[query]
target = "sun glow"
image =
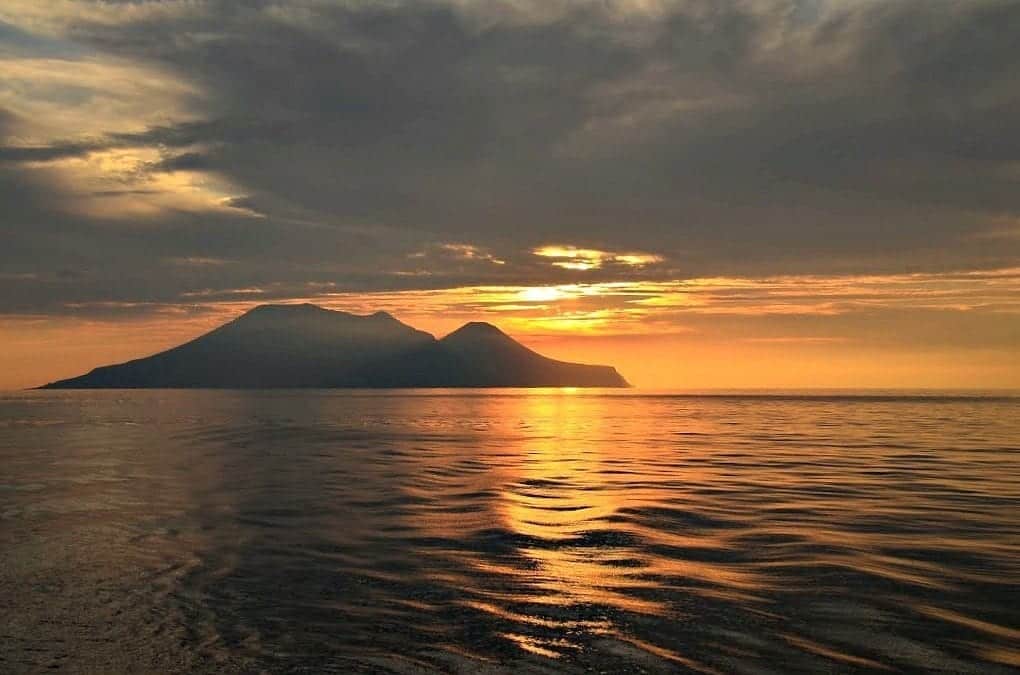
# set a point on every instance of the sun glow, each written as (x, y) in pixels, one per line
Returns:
(584, 259)
(541, 294)
(767, 331)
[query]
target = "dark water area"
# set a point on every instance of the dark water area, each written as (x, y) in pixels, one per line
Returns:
(507, 532)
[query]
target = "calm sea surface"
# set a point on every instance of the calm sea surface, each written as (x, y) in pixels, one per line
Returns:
(507, 531)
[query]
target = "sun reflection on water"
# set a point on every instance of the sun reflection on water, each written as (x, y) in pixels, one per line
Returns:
(521, 531)
(562, 495)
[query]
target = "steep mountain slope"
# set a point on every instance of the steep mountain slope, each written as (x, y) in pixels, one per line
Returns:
(269, 346)
(490, 358)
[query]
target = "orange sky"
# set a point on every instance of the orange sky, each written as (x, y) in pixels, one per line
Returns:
(906, 331)
(37, 354)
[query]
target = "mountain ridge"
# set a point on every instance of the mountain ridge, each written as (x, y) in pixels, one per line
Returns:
(308, 346)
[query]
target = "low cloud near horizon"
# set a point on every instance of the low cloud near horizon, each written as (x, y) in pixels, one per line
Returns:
(644, 165)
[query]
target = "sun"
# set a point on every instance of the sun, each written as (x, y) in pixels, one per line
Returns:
(542, 294)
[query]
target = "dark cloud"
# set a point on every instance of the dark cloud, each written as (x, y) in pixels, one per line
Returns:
(727, 137)
(44, 153)
(12, 152)
(187, 161)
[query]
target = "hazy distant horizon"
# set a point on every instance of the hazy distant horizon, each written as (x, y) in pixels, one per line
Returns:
(44, 349)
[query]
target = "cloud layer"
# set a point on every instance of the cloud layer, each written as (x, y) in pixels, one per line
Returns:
(166, 154)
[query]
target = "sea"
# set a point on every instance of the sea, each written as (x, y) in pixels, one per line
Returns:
(509, 531)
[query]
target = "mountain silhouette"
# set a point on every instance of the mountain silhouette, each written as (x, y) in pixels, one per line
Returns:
(276, 346)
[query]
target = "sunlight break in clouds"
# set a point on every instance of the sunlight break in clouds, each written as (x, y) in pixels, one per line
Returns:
(77, 120)
(582, 259)
(633, 307)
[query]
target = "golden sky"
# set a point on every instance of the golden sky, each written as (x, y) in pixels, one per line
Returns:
(907, 331)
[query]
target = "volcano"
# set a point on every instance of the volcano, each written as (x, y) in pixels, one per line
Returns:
(306, 346)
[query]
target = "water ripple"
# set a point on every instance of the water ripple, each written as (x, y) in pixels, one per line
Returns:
(508, 532)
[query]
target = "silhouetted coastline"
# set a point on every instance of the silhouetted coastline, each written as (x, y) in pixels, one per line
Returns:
(306, 346)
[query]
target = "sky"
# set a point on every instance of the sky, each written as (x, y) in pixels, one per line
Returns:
(703, 193)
